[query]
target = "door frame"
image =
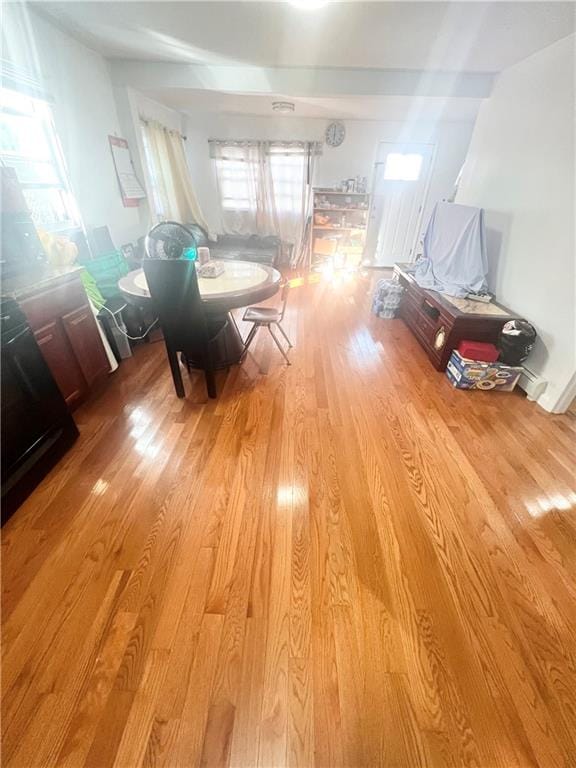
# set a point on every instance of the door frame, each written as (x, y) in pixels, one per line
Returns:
(425, 188)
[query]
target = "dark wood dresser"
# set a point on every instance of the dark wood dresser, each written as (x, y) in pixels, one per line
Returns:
(57, 309)
(439, 325)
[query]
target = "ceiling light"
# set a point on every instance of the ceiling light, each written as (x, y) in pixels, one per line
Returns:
(284, 107)
(308, 5)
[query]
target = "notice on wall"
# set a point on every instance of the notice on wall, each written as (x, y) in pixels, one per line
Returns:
(130, 188)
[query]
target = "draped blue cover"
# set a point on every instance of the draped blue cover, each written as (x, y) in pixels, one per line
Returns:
(454, 259)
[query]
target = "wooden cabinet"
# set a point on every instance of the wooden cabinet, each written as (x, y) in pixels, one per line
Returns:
(67, 334)
(439, 325)
(60, 357)
(80, 325)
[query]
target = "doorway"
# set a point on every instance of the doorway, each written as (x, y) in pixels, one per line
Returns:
(401, 179)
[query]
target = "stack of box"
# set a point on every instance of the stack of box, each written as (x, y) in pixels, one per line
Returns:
(476, 374)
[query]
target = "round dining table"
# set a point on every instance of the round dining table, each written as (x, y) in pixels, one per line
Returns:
(241, 283)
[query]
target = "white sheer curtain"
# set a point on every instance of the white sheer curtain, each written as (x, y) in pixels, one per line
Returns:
(244, 188)
(172, 189)
(265, 187)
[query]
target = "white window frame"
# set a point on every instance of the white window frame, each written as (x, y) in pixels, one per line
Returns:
(21, 105)
(403, 166)
(233, 174)
(236, 177)
(286, 170)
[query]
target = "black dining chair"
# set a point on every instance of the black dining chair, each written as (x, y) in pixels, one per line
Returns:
(173, 287)
(266, 317)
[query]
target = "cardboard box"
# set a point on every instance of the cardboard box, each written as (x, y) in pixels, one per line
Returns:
(325, 246)
(473, 374)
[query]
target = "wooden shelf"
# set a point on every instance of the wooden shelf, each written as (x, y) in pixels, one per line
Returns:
(347, 210)
(339, 229)
(348, 236)
(327, 192)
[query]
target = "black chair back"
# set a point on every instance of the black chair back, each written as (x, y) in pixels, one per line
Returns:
(173, 287)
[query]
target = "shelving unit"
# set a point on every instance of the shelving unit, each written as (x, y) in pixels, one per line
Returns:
(345, 216)
(336, 227)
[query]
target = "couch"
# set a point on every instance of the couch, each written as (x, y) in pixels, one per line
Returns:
(261, 249)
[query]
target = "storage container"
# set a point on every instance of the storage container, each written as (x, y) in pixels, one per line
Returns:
(475, 374)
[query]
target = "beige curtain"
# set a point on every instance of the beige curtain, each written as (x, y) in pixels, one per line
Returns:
(170, 177)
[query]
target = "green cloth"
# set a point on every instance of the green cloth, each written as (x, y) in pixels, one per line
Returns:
(92, 290)
(106, 271)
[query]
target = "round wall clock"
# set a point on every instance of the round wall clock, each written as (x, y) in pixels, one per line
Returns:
(335, 134)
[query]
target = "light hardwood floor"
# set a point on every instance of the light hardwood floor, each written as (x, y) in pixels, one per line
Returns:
(341, 563)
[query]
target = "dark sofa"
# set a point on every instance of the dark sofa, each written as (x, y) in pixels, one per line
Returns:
(263, 250)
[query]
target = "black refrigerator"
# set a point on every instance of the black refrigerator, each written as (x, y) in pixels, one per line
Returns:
(36, 426)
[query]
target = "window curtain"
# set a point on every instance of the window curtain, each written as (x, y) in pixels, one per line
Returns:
(244, 188)
(170, 177)
(265, 187)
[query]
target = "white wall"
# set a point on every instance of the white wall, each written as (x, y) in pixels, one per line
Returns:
(131, 106)
(78, 80)
(520, 168)
(356, 156)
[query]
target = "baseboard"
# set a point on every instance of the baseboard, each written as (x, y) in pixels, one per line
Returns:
(533, 384)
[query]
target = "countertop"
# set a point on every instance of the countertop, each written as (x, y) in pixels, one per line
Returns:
(19, 286)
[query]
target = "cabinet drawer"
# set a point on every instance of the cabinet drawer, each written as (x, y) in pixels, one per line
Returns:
(426, 321)
(408, 311)
(417, 319)
(426, 327)
(46, 305)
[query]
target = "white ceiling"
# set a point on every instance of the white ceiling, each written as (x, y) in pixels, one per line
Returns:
(390, 108)
(453, 36)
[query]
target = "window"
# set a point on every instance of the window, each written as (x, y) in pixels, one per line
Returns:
(234, 179)
(402, 167)
(29, 144)
(253, 172)
(287, 172)
(265, 187)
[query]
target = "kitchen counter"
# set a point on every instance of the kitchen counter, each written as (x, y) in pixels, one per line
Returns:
(21, 286)
(58, 311)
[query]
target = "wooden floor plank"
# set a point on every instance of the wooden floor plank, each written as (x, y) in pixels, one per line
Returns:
(343, 562)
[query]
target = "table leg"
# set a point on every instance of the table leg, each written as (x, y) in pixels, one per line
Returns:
(227, 347)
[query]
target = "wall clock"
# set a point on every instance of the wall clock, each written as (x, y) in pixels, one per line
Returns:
(335, 134)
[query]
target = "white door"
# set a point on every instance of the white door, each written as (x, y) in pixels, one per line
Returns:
(400, 183)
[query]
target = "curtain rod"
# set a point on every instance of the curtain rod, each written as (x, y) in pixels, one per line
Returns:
(314, 146)
(264, 141)
(148, 120)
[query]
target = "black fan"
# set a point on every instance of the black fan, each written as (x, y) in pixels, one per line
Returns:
(170, 240)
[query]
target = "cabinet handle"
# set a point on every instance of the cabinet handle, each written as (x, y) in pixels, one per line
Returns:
(45, 339)
(78, 319)
(430, 310)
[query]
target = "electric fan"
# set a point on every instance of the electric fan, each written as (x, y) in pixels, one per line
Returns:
(170, 240)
